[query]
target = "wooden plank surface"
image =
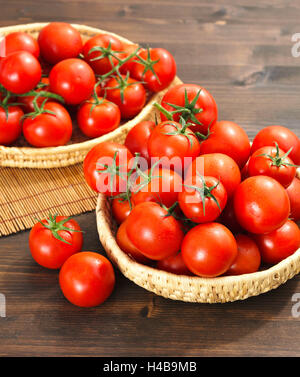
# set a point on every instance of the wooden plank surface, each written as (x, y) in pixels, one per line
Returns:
(240, 50)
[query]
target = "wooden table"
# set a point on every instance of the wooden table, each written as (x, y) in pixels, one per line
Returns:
(240, 50)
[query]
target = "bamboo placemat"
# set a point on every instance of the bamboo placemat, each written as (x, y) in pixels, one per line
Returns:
(30, 194)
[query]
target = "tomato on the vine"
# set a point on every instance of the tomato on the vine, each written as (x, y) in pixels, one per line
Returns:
(121, 208)
(19, 41)
(10, 121)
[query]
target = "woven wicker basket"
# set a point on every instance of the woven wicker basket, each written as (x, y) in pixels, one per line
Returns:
(26, 157)
(185, 288)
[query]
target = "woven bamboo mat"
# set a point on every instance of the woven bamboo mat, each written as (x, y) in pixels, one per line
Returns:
(30, 194)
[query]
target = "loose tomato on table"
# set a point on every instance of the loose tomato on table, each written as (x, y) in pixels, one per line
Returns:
(293, 191)
(53, 240)
(174, 264)
(19, 41)
(87, 279)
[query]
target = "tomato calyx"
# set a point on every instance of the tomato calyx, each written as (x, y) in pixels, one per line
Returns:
(146, 178)
(38, 110)
(278, 160)
(4, 104)
(148, 64)
(55, 226)
(106, 52)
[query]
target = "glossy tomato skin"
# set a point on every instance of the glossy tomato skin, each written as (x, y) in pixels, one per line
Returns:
(165, 69)
(206, 102)
(73, 79)
(279, 244)
(49, 130)
(19, 41)
(261, 164)
(121, 209)
(95, 121)
(174, 264)
(228, 138)
(103, 65)
(20, 72)
(134, 97)
(59, 41)
(127, 51)
(294, 195)
(137, 139)
(154, 234)
(220, 166)
(104, 153)
(191, 202)
(248, 259)
(50, 252)
(209, 249)
(261, 204)
(87, 279)
(284, 137)
(10, 127)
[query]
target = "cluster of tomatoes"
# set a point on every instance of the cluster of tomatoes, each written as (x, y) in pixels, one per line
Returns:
(191, 194)
(102, 81)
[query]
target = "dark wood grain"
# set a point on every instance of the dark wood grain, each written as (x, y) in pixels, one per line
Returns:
(241, 52)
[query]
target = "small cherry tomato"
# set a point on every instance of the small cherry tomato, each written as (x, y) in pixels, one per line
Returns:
(121, 208)
(27, 101)
(10, 124)
(294, 195)
(174, 264)
(19, 41)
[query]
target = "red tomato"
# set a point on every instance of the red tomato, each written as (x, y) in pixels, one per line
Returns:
(48, 129)
(273, 162)
(10, 124)
(156, 67)
(248, 258)
(20, 72)
(87, 279)
(121, 209)
(98, 117)
(198, 106)
(59, 41)
(127, 246)
(202, 199)
(261, 204)
(228, 218)
(27, 101)
(106, 167)
(99, 52)
(174, 264)
(137, 139)
(280, 243)
(228, 138)
(133, 99)
(294, 195)
(127, 51)
(73, 79)
(54, 240)
(209, 249)
(175, 143)
(152, 232)
(157, 185)
(220, 166)
(19, 41)
(284, 137)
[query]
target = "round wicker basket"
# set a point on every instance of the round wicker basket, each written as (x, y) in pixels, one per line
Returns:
(21, 156)
(185, 288)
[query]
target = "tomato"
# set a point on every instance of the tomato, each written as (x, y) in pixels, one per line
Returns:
(228, 218)
(10, 124)
(121, 208)
(280, 243)
(273, 162)
(73, 79)
(174, 264)
(50, 127)
(157, 185)
(53, 240)
(156, 67)
(220, 166)
(27, 101)
(228, 138)
(20, 72)
(284, 137)
(99, 52)
(155, 234)
(127, 93)
(127, 246)
(128, 50)
(59, 41)
(98, 117)
(174, 143)
(209, 249)
(87, 279)
(294, 195)
(202, 199)
(137, 139)
(261, 204)
(106, 167)
(248, 259)
(197, 104)
(19, 41)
